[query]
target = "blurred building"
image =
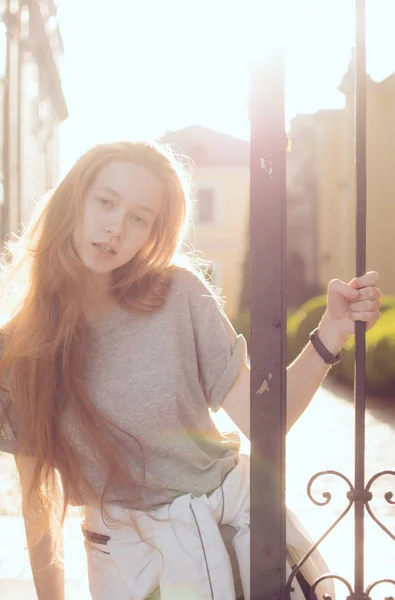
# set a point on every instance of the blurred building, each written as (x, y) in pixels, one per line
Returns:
(32, 106)
(221, 176)
(321, 196)
(321, 180)
(302, 214)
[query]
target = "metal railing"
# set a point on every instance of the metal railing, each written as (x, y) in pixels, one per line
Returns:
(268, 342)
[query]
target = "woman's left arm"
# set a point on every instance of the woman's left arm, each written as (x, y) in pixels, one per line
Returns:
(357, 301)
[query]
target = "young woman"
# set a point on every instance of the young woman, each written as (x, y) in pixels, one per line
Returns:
(112, 354)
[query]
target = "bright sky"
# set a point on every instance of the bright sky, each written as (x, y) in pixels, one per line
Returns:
(140, 68)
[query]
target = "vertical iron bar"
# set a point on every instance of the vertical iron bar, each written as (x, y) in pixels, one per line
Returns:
(268, 329)
(360, 328)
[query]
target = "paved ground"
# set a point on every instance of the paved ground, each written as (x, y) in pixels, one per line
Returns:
(322, 439)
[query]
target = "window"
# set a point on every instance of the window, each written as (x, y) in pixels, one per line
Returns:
(206, 205)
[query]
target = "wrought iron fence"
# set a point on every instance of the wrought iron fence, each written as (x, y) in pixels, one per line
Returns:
(268, 342)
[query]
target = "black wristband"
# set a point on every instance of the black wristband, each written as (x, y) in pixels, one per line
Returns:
(327, 357)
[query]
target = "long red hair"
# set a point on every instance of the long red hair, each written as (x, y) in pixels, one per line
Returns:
(43, 339)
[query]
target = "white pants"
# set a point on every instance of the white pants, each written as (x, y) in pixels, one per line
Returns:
(180, 551)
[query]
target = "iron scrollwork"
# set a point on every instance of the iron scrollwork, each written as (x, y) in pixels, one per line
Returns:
(388, 497)
(352, 495)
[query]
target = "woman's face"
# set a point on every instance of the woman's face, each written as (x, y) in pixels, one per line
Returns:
(118, 214)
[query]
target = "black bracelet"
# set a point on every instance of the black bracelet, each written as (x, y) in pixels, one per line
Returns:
(327, 357)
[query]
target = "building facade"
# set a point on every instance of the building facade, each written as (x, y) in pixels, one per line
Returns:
(321, 197)
(331, 243)
(32, 106)
(221, 178)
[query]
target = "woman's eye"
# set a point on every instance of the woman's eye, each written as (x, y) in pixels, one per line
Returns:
(139, 220)
(104, 201)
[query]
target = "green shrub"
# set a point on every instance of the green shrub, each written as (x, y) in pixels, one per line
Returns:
(387, 303)
(299, 325)
(380, 357)
(380, 343)
(302, 323)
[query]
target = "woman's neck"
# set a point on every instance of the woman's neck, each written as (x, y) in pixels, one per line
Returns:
(97, 300)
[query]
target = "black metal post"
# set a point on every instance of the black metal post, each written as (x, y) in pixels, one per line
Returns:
(268, 328)
(360, 328)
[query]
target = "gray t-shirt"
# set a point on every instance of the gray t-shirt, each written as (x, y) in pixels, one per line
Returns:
(156, 374)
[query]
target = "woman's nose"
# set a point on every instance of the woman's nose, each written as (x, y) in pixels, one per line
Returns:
(115, 226)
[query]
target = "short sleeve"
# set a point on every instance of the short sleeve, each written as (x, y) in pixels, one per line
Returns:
(220, 351)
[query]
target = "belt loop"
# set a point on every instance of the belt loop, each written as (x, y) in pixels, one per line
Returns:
(96, 538)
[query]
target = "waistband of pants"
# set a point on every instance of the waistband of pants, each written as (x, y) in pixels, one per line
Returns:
(100, 538)
(96, 538)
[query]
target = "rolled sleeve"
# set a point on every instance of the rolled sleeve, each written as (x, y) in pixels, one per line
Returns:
(229, 375)
(220, 351)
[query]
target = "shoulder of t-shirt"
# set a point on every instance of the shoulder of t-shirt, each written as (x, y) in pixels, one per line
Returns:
(189, 283)
(190, 289)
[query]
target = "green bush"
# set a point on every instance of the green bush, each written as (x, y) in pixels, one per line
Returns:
(380, 357)
(302, 323)
(387, 303)
(380, 343)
